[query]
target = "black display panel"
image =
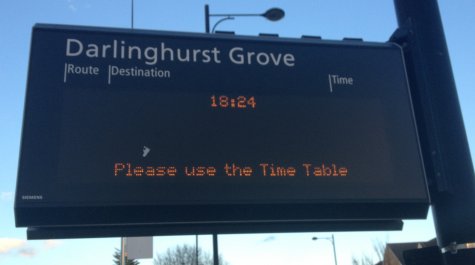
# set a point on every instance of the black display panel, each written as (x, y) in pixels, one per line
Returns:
(132, 127)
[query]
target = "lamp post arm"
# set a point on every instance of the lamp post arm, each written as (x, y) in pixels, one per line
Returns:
(273, 14)
(332, 240)
(235, 15)
(221, 20)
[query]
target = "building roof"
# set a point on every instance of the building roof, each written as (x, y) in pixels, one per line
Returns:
(398, 248)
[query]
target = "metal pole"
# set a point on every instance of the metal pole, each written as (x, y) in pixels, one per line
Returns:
(196, 249)
(122, 251)
(444, 142)
(207, 18)
(132, 15)
(334, 249)
(215, 250)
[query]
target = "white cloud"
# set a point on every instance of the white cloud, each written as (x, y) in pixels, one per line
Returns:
(8, 245)
(16, 247)
(269, 239)
(72, 5)
(28, 252)
(50, 244)
(6, 196)
(20, 247)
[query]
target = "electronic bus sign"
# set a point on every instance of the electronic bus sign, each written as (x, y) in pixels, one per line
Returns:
(149, 127)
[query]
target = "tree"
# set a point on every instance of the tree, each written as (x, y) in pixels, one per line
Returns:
(127, 261)
(379, 247)
(362, 260)
(185, 255)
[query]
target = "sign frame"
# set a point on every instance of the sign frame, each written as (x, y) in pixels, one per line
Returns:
(33, 212)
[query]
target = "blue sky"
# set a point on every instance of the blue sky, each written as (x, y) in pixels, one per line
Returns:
(372, 20)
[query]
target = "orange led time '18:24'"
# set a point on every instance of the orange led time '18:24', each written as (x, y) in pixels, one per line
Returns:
(239, 102)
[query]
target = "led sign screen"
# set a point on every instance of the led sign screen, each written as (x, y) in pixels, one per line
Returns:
(131, 127)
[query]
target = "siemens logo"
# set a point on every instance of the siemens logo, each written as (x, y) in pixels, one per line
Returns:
(32, 197)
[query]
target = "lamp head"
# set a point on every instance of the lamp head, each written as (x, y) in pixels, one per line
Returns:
(274, 14)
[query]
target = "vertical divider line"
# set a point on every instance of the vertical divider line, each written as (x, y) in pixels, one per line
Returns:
(109, 75)
(65, 72)
(330, 83)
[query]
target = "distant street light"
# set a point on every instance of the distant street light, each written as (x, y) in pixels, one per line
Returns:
(332, 240)
(273, 14)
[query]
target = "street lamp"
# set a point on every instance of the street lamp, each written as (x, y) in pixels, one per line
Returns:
(273, 14)
(332, 240)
